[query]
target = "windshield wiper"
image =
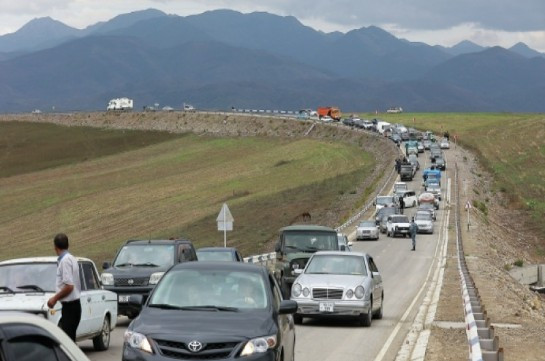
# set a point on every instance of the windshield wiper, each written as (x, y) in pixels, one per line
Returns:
(165, 306)
(147, 264)
(123, 265)
(209, 308)
(32, 287)
(7, 289)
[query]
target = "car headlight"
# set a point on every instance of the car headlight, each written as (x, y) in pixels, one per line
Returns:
(360, 292)
(155, 277)
(137, 341)
(259, 345)
(296, 290)
(306, 292)
(349, 294)
(107, 279)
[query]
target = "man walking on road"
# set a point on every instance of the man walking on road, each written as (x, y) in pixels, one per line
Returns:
(401, 205)
(413, 229)
(68, 287)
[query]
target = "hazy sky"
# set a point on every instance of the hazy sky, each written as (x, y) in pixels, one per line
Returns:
(445, 22)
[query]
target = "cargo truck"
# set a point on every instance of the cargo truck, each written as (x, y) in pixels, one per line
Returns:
(332, 112)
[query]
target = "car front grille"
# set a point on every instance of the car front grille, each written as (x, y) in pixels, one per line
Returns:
(327, 293)
(209, 351)
(131, 281)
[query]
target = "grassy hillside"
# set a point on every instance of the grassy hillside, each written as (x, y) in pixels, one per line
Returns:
(510, 146)
(175, 188)
(28, 147)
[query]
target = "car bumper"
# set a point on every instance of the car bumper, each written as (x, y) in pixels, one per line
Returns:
(131, 354)
(367, 235)
(311, 308)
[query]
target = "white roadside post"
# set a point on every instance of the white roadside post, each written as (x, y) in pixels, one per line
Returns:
(468, 208)
(225, 222)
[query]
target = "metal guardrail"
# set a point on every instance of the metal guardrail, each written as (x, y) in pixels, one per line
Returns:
(483, 343)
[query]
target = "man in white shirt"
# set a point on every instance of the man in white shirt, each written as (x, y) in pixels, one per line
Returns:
(68, 287)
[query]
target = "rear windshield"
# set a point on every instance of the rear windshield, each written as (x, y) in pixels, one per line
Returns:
(145, 255)
(400, 219)
(385, 200)
(214, 256)
(309, 241)
(367, 224)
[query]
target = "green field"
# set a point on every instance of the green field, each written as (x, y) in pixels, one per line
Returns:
(510, 146)
(172, 188)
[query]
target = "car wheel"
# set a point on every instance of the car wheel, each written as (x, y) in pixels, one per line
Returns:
(365, 319)
(102, 341)
(380, 312)
(298, 319)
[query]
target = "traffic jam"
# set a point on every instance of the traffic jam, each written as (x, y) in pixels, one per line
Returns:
(208, 303)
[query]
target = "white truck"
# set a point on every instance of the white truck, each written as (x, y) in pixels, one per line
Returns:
(120, 104)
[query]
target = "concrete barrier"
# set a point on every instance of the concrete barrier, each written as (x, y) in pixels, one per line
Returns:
(530, 275)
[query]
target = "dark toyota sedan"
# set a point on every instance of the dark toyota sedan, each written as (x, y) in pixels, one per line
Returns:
(213, 311)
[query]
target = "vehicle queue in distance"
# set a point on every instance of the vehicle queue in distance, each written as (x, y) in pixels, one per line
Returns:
(208, 303)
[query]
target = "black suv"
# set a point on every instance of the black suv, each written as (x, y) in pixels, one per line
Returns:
(138, 267)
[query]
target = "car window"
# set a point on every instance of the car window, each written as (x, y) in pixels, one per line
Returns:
(184, 252)
(372, 265)
(214, 256)
(24, 274)
(145, 254)
(309, 241)
(32, 348)
(336, 264)
(89, 276)
(277, 295)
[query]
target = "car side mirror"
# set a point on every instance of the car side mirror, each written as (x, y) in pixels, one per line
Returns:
(136, 300)
(278, 247)
(375, 274)
(343, 248)
(106, 265)
(374, 203)
(287, 307)
(350, 244)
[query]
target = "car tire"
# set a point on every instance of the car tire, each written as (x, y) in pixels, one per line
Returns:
(101, 342)
(298, 319)
(378, 315)
(365, 319)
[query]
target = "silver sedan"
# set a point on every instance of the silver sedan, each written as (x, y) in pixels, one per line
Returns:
(367, 230)
(339, 284)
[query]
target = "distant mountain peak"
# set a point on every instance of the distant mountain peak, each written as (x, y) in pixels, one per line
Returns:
(524, 50)
(43, 24)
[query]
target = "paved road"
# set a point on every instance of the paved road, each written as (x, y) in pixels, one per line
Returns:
(404, 273)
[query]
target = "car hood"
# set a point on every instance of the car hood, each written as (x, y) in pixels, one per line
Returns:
(31, 302)
(401, 224)
(291, 256)
(321, 280)
(190, 325)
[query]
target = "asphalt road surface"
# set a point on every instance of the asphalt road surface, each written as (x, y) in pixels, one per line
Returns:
(404, 274)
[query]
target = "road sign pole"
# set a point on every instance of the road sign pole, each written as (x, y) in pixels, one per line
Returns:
(224, 232)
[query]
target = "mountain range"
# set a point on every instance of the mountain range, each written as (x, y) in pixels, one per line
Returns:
(222, 59)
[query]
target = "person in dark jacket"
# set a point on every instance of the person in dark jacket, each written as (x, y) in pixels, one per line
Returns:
(413, 229)
(401, 204)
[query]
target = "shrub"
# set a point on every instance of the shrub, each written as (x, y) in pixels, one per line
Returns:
(519, 263)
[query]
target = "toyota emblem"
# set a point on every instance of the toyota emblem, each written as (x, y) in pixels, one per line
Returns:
(131, 281)
(194, 346)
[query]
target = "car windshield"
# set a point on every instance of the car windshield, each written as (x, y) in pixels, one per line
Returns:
(367, 224)
(336, 264)
(434, 187)
(309, 241)
(159, 255)
(385, 200)
(426, 206)
(423, 216)
(210, 289)
(400, 219)
(41, 275)
(214, 256)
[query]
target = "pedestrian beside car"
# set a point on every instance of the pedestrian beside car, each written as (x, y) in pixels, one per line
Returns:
(413, 230)
(398, 165)
(401, 205)
(67, 286)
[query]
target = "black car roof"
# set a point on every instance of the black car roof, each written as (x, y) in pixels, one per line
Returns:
(220, 266)
(157, 241)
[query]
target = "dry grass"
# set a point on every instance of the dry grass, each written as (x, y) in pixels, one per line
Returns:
(176, 187)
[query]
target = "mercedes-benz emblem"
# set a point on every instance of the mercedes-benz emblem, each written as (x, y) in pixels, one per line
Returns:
(194, 346)
(131, 281)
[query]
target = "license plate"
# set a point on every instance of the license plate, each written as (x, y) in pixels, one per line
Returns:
(123, 298)
(327, 307)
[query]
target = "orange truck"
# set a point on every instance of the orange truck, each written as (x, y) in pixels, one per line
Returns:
(332, 112)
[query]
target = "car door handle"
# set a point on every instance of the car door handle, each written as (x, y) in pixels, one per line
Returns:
(88, 299)
(103, 297)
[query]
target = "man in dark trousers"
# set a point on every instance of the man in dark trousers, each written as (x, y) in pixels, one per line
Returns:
(401, 204)
(68, 287)
(413, 229)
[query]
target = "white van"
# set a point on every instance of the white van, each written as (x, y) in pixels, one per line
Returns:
(381, 126)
